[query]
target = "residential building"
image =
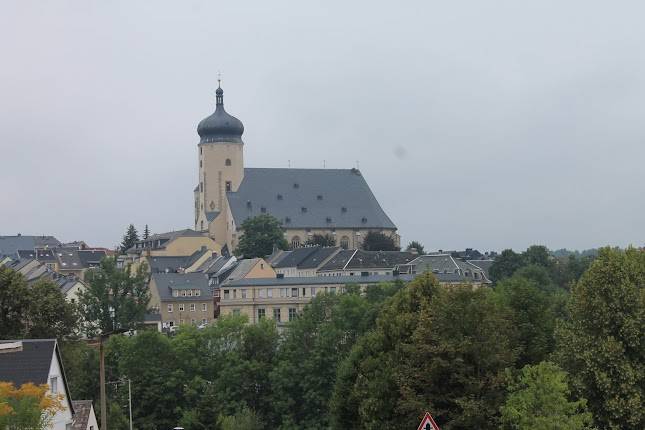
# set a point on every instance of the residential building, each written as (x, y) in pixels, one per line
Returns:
(38, 361)
(358, 262)
(305, 261)
(446, 264)
(181, 298)
(174, 243)
(84, 417)
(284, 298)
(338, 202)
(9, 245)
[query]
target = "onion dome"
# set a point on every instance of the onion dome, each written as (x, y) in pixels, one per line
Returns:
(220, 126)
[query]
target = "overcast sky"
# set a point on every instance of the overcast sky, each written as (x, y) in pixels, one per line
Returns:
(486, 124)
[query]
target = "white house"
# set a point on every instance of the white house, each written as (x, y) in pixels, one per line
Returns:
(37, 361)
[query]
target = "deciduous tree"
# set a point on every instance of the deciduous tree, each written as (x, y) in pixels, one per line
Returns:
(321, 240)
(28, 407)
(115, 299)
(377, 241)
(602, 345)
(540, 399)
(261, 235)
(416, 246)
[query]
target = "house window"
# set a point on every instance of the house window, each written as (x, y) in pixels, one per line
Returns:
(229, 186)
(192, 321)
(204, 307)
(243, 293)
(190, 293)
(261, 314)
(293, 313)
(228, 162)
(198, 293)
(181, 307)
(170, 307)
(181, 322)
(236, 311)
(235, 294)
(276, 314)
(263, 209)
(262, 292)
(283, 292)
(295, 242)
(270, 292)
(344, 242)
(183, 293)
(175, 293)
(313, 292)
(294, 292)
(201, 186)
(332, 290)
(53, 385)
(192, 307)
(226, 294)
(304, 292)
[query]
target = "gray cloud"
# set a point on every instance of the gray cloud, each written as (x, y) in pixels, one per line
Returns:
(485, 124)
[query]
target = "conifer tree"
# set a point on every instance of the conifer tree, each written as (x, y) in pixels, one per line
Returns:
(146, 232)
(129, 239)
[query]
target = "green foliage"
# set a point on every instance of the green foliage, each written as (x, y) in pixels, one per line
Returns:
(377, 241)
(534, 307)
(246, 419)
(321, 240)
(261, 235)
(130, 238)
(313, 346)
(539, 399)
(37, 311)
(115, 299)
(602, 344)
(561, 270)
(81, 369)
(416, 246)
(433, 349)
(505, 265)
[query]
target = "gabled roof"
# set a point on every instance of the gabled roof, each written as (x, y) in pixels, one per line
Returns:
(167, 282)
(31, 363)
(295, 257)
(308, 198)
(82, 412)
(242, 268)
(338, 261)
(314, 260)
(379, 259)
(9, 245)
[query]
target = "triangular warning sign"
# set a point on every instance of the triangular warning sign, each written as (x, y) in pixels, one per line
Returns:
(427, 423)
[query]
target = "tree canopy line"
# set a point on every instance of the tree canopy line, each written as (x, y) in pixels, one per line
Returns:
(557, 343)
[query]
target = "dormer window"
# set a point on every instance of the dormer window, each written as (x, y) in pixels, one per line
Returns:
(343, 209)
(364, 220)
(296, 185)
(263, 210)
(279, 196)
(328, 219)
(287, 220)
(319, 197)
(303, 210)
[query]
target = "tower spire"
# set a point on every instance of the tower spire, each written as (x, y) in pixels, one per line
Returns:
(219, 93)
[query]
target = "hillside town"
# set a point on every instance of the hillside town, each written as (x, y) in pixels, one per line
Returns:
(270, 248)
(389, 216)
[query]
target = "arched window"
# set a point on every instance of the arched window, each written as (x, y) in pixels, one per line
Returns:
(344, 242)
(295, 242)
(228, 162)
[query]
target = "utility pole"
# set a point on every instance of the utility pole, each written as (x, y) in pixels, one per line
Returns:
(130, 401)
(102, 382)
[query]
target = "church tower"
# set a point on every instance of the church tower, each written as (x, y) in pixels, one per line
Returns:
(221, 162)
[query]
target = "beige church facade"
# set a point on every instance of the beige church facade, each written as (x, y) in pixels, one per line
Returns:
(335, 202)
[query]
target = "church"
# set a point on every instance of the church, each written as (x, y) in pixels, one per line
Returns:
(336, 202)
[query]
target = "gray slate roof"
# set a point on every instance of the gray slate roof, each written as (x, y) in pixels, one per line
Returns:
(9, 245)
(316, 280)
(379, 259)
(308, 198)
(295, 257)
(82, 410)
(338, 261)
(167, 282)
